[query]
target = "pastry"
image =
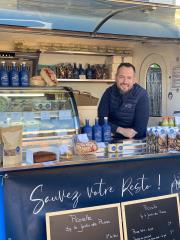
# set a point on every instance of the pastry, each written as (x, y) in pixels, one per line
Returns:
(86, 147)
(49, 76)
(37, 81)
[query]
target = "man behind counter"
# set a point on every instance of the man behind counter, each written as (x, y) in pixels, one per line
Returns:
(125, 104)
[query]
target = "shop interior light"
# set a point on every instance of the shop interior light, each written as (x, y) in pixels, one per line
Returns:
(177, 17)
(178, 2)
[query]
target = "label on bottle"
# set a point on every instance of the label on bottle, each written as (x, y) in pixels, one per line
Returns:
(24, 80)
(82, 76)
(106, 134)
(14, 79)
(4, 80)
(88, 131)
(97, 134)
(89, 73)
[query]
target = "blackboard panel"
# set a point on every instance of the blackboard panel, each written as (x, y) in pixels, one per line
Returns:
(154, 218)
(96, 223)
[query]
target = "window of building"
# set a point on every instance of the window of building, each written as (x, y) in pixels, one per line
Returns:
(154, 89)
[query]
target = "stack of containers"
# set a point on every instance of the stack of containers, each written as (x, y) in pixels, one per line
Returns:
(162, 139)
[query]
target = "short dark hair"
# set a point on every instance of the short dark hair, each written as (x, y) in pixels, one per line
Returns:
(126, 64)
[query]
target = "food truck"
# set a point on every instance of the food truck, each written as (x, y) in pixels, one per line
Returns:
(94, 37)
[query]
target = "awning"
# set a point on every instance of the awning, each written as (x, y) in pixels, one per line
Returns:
(95, 17)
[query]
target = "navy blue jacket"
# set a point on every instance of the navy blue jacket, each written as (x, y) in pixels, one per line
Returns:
(128, 110)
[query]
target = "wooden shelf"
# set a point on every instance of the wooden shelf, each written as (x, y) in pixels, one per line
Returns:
(87, 80)
(106, 54)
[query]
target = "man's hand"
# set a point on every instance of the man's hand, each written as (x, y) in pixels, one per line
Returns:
(126, 132)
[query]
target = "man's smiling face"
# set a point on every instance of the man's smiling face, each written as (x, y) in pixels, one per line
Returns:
(125, 78)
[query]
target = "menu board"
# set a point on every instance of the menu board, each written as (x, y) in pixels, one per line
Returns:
(96, 223)
(154, 218)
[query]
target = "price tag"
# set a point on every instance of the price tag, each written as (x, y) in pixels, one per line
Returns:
(45, 115)
(28, 116)
(16, 116)
(3, 117)
(65, 114)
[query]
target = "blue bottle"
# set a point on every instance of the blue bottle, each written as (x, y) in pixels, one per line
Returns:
(97, 131)
(87, 129)
(89, 73)
(81, 70)
(106, 131)
(14, 76)
(4, 77)
(24, 76)
(75, 72)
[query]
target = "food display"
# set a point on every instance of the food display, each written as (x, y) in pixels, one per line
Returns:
(48, 116)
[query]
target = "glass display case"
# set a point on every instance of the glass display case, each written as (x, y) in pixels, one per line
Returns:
(48, 115)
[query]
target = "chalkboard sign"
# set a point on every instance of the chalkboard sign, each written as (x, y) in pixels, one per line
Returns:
(154, 218)
(96, 223)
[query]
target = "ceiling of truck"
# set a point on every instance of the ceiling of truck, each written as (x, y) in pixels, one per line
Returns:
(156, 19)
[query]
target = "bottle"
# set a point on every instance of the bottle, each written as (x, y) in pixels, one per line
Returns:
(4, 77)
(89, 73)
(171, 121)
(105, 72)
(24, 76)
(93, 72)
(87, 129)
(69, 69)
(81, 70)
(97, 131)
(14, 76)
(164, 121)
(75, 72)
(106, 131)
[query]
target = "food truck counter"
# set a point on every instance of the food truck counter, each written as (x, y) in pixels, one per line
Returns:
(29, 192)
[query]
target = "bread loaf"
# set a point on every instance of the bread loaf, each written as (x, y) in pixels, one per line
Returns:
(43, 156)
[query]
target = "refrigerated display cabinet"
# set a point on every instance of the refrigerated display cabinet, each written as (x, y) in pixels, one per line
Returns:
(47, 114)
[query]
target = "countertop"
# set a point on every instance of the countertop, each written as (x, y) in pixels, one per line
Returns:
(88, 159)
